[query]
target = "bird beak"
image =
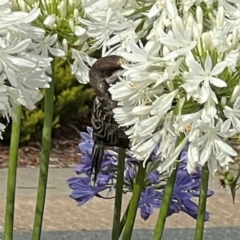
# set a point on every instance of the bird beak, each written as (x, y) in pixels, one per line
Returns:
(123, 61)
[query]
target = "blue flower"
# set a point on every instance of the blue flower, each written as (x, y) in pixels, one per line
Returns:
(130, 174)
(148, 200)
(186, 187)
(82, 190)
(103, 179)
(154, 177)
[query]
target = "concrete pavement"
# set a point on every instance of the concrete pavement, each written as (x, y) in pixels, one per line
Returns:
(62, 214)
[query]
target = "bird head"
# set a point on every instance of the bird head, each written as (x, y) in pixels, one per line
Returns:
(107, 66)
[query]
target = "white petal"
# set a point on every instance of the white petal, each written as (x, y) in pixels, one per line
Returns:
(226, 125)
(208, 64)
(205, 154)
(56, 52)
(218, 68)
(217, 82)
(174, 156)
(225, 147)
(141, 110)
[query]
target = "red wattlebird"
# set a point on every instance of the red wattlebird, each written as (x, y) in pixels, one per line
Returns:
(106, 132)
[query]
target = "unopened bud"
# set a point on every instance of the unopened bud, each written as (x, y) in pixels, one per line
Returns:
(207, 40)
(235, 94)
(170, 33)
(199, 14)
(179, 23)
(50, 21)
(166, 51)
(75, 14)
(71, 24)
(65, 45)
(220, 17)
(229, 177)
(170, 86)
(223, 101)
(57, 20)
(63, 8)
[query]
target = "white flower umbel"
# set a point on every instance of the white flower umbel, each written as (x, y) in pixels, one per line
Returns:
(22, 69)
(65, 34)
(183, 79)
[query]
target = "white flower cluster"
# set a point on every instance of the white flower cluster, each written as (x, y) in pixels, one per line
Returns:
(183, 77)
(62, 21)
(22, 67)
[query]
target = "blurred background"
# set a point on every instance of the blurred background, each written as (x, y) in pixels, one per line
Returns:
(72, 111)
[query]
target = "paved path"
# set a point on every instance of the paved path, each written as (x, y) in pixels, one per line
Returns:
(62, 214)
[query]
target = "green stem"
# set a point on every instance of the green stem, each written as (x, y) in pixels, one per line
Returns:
(12, 174)
(137, 189)
(163, 213)
(124, 219)
(44, 159)
(118, 197)
(202, 204)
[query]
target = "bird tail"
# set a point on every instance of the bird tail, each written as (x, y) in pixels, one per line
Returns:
(97, 158)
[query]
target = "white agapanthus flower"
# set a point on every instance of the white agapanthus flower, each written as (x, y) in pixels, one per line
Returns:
(22, 69)
(183, 79)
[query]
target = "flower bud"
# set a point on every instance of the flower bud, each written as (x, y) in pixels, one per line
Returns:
(166, 51)
(71, 24)
(199, 14)
(229, 177)
(190, 21)
(50, 21)
(220, 17)
(170, 86)
(63, 8)
(235, 94)
(75, 14)
(170, 33)
(65, 45)
(223, 101)
(179, 24)
(207, 40)
(57, 20)
(171, 8)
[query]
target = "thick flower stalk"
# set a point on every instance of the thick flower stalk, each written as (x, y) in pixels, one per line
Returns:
(185, 188)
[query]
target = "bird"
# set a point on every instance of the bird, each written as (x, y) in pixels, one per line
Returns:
(106, 131)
